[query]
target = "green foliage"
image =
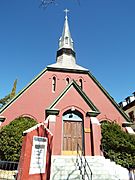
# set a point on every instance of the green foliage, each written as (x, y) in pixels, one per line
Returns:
(11, 138)
(4, 100)
(118, 145)
(7, 98)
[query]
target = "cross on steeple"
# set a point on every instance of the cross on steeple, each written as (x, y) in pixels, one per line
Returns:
(66, 57)
(66, 11)
(66, 40)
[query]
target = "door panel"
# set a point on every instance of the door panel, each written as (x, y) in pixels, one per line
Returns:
(72, 134)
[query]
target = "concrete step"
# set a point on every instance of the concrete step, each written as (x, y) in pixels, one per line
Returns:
(69, 168)
(63, 175)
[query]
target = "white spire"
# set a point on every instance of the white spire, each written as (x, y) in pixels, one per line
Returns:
(66, 57)
(66, 40)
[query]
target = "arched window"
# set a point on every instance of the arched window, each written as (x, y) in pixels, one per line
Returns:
(81, 83)
(72, 115)
(53, 84)
(66, 40)
(67, 81)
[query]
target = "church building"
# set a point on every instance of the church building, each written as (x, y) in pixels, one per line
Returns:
(70, 100)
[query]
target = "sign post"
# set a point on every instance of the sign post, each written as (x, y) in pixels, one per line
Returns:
(35, 159)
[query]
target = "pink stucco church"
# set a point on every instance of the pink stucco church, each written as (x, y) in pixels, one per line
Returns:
(68, 98)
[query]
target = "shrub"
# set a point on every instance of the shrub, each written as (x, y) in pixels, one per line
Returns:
(118, 145)
(11, 138)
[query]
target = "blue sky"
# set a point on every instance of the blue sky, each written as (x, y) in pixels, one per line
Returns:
(104, 39)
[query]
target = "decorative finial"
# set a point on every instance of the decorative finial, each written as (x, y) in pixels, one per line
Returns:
(66, 12)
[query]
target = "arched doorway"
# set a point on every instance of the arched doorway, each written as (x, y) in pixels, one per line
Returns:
(72, 132)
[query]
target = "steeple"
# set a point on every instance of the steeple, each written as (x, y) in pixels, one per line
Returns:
(65, 58)
(65, 53)
(65, 40)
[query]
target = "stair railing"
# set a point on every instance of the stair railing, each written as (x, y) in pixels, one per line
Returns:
(83, 165)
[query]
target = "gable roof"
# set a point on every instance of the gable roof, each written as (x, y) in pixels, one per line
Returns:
(71, 71)
(81, 92)
(110, 98)
(23, 90)
(98, 84)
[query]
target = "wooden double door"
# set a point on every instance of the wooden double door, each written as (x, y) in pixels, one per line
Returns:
(72, 135)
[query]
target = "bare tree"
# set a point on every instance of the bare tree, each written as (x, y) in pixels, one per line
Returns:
(46, 3)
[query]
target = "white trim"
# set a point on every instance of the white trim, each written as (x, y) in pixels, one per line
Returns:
(130, 130)
(52, 118)
(94, 120)
(35, 127)
(2, 117)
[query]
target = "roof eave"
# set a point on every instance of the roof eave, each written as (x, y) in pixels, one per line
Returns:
(72, 70)
(110, 98)
(22, 91)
